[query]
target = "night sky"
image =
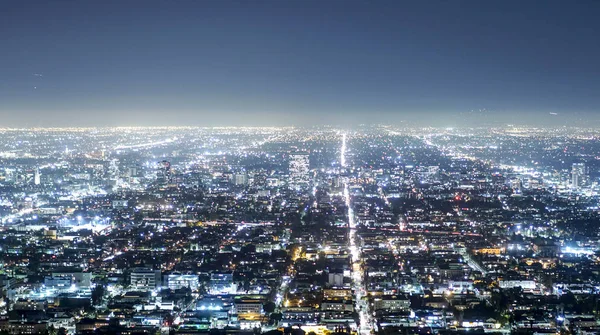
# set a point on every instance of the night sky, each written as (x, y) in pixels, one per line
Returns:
(205, 63)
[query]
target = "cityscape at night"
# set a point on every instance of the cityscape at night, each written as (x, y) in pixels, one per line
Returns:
(245, 230)
(300, 167)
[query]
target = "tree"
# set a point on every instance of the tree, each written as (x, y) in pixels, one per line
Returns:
(569, 300)
(356, 317)
(298, 331)
(248, 248)
(275, 317)
(269, 307)
(97, 294)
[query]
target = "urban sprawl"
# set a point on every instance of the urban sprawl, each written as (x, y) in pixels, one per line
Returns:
(317, 231)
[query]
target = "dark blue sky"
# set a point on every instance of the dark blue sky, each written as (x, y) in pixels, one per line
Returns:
(297, 62)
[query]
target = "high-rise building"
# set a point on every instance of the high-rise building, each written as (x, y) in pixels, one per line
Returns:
(163, 175)
(240, 179)
(299, 170)
(36, 177)
(579, 175)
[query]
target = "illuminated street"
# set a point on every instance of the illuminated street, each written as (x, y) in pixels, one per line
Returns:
(358, 286)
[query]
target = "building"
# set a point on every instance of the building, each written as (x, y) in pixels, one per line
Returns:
(249, 306)
(579, 175)
(177, 281)
(37, 177)
(77, 277)
(240, 179)
(546, 248)
(299, 315)
(336, 279)
(391, 303)
(164, 173)
(344, 293)
(119, 204)
(24, 322)
(337, 305)
(144, 278)
(299, 170)
(27, 327)
(222, 283)
(58, 283)
(524, 284)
